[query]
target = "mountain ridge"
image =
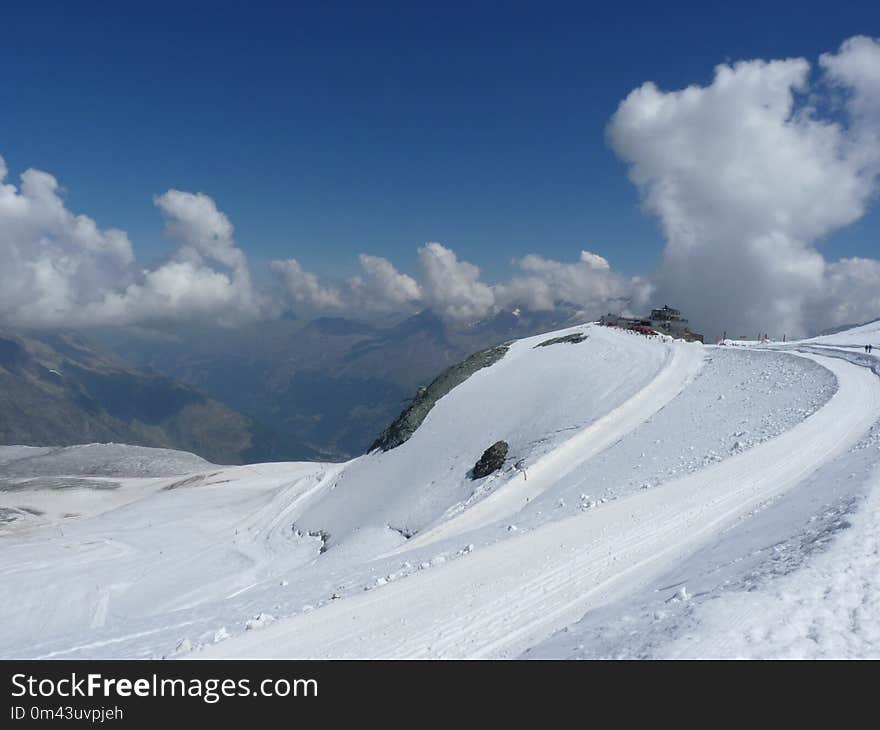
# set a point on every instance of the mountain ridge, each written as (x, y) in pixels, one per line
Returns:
(58, 389)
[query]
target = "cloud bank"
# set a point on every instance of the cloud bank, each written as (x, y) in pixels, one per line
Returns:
(379, 288)
(588, 285)
(454, 290)
(59, 269)
(747, 175)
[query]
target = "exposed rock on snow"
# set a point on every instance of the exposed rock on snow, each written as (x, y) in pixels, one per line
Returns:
(535, 399)
(28, 485)
(572, 338)
(491, 460)
(404, 532)
(405, 425)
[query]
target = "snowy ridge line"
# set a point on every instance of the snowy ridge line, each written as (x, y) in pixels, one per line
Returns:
(683, 363)
(506, 597)
(872, 362)
(533, 398)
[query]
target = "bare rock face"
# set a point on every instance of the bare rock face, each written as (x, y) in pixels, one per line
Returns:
(491, 460)
(572, 338)
(405, 425)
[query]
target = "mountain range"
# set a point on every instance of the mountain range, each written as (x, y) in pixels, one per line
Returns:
(58, 389)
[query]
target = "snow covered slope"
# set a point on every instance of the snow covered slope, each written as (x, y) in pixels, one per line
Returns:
(628, 456)
(97, 460)
(40, 485)
(555, 406)
(856, 337)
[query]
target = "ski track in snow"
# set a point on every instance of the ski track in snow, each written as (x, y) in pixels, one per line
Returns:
(500, 600)
(829, 608)
(776, 540)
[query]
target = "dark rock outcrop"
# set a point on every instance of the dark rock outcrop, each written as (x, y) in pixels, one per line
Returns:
(572, 338)
(491, 460)
(405, 425)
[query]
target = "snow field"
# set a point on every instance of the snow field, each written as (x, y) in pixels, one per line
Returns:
(628, 457)
(508, 596)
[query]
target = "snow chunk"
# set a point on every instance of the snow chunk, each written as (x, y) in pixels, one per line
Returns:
(260, 621)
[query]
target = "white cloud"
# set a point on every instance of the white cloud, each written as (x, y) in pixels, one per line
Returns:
(595, 261)
(381, 287)
(852, 293)
(61, 269)
(452, 288)
(746, 177)
(52, 260)
(856, 68)
(378, 288)
(304, 287)
(588, 284)
(203, 231)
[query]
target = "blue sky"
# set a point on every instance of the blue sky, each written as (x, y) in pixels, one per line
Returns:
(324, 130)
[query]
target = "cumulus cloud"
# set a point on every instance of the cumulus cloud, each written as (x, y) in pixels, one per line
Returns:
(304, 287)
(382, 288)
(52, 260)
(856, 69)
(588, 284)
(746, 176)
(61, 269)
(202, 231)
(379, 288)
(452, 288)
